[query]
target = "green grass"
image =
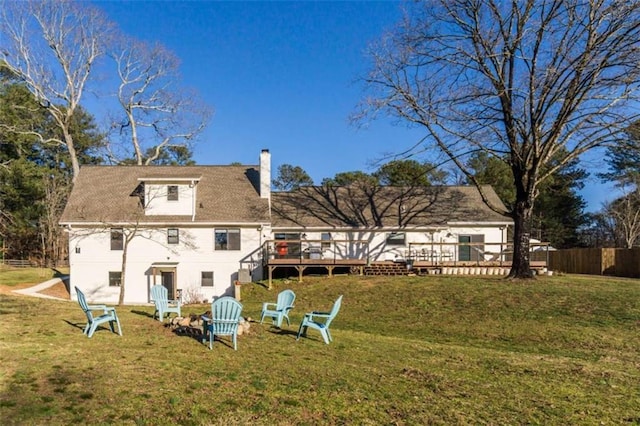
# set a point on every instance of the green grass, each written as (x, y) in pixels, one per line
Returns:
(406, 350)
(13, 276)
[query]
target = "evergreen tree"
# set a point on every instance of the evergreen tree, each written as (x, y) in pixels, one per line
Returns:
(36, 172)
(558, 213)
(623, 159)
(409, 173)
(291, 177)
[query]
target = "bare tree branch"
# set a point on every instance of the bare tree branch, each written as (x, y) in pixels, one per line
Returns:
(157, 112)
(529, 81)
(52, 47)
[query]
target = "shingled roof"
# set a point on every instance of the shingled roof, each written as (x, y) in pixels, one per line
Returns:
(107, 194)
(379, 206)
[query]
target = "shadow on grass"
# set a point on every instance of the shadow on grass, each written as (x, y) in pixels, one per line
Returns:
(142, 313)
(282, 332)
(188, 331)
(216, 339)
(196, 333)
(261, 284)
(75, 324)
(99, 328)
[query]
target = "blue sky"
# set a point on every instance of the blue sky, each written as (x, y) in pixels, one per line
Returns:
(281, 76)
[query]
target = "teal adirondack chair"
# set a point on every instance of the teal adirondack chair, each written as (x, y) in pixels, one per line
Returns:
(224, 319)
(320, 321)
(279, 310)
(109, 315)
(164, 306)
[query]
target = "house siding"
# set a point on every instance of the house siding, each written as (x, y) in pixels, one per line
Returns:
(194, 254)
(239, 196)
(157, 202)
(373, 244)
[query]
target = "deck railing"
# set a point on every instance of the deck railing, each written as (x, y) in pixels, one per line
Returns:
(430, 253)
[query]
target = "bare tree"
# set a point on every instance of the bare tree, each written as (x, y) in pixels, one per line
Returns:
(623, 216)
(158, 113)
(519, 80)
(52, 46)
(53, 239)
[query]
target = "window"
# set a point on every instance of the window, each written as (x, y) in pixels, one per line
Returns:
(471, 247)
(326, 236)
(172, 193)
(396, 239)
(292, 244)
(207, 279)
(115, 279)
(227, 239)
(173, 236)
(117, 239)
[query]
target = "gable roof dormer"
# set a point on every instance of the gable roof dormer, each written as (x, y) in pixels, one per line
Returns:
(170, 195)
(128, 194)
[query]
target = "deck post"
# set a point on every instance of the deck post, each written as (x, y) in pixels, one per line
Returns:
(271, 268)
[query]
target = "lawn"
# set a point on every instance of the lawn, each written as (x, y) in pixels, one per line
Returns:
(406, 350)
(11, 277)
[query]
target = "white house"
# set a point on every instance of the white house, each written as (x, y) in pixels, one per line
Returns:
(194, 229)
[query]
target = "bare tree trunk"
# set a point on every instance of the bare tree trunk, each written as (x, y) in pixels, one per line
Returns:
(123, 270)
(68, 139)
(521, 267)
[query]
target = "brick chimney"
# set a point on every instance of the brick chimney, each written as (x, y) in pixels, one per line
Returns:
(265, 174)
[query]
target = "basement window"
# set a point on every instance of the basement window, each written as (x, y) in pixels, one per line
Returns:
(207, 279)
(115, 278)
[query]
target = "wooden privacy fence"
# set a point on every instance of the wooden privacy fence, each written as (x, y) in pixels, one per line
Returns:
(597, 261)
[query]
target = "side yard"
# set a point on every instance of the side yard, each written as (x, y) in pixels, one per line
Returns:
(406, 350)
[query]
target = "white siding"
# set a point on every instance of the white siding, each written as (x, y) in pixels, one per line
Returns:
(194, 254)
(374, 244)
(158, 204)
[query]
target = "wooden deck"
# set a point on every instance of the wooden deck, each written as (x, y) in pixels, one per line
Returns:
(301, 264)
(413, 267)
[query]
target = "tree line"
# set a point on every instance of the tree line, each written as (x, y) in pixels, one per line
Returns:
(511, 93)
(53, 54)
(559, 215)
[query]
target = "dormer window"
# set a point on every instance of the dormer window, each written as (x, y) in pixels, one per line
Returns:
(172, 193)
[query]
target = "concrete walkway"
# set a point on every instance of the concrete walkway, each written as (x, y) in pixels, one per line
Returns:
(33, 291)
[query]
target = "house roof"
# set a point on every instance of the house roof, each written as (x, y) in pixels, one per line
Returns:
(108, 194)
(384, 207)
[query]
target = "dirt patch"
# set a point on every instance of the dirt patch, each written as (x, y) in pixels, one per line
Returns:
(57, 290)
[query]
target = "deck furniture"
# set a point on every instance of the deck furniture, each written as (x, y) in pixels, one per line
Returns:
(164, 306)
(279, 310)
(224, 320)
(93, 321)
(320, 321)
